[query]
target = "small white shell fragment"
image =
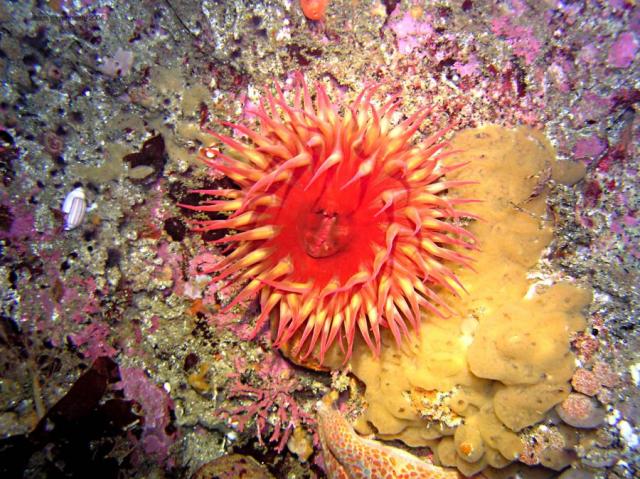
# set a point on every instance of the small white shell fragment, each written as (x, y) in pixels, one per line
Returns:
(74, 208)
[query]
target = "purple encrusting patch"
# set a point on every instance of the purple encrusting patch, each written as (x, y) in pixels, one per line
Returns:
(156, 405)
(410, 33)
(589, 148)
(469, 68)
(94, 340)
(522, 40)
(623, 50)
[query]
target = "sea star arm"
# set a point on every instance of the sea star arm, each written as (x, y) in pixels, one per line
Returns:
(349, 456)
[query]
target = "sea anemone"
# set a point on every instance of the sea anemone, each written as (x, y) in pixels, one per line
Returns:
(314, 9)
(342, 223)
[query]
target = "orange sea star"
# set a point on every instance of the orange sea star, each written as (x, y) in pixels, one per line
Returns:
(349, 456)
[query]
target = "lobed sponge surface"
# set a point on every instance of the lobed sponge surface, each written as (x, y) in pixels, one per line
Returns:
(468, 384)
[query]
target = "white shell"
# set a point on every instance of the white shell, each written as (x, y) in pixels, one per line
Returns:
(74, 208)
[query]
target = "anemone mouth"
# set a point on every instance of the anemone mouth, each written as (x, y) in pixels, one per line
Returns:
(343, 222)
(324, 232)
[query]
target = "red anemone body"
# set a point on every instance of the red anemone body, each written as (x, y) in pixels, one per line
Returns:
(343, 223)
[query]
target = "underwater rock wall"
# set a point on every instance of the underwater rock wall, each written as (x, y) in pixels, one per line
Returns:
(109, 99)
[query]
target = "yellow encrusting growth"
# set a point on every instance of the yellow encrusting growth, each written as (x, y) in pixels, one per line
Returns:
(502, 359)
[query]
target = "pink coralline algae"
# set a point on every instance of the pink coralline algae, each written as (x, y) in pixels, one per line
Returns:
(588, 53)
(589, 148)
(76, 303)
(411, 34)
(469, 68)
(580, 411)
(562, 72)
(93, 339)
(585, 382)
(522, 40)
(605, 375)
(118, 65)
(156, 406)
(79, 299)
(591, 107)
(202, 286)
(623, 50)
(592, 383)
(16, 223)
(271, 404)
(197, 286)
